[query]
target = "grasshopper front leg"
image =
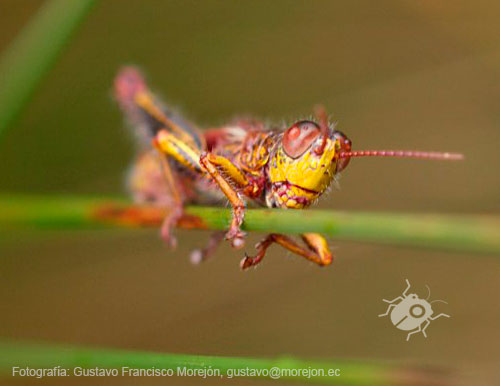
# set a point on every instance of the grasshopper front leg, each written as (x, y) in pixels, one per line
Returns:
(212, 163)
(317, 249)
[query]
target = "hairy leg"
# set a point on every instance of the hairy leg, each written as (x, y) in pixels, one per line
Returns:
(212, 164)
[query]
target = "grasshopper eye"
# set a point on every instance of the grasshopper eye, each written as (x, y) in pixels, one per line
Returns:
(300, 137)
(344, 146)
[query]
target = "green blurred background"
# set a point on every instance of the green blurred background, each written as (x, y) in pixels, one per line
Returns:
(395, 74)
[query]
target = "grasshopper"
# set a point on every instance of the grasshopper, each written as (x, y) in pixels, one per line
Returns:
(244, 162)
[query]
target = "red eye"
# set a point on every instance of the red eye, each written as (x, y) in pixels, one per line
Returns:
(345, 146)
(299, 137)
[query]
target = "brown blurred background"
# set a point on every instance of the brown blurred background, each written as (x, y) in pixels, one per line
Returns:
(395, 74)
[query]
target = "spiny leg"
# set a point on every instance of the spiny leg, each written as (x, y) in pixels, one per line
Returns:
(211, 163)
(317, 249)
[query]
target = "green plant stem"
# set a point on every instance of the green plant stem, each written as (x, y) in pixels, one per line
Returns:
(29, 57)
(464, 233)
(350, 372)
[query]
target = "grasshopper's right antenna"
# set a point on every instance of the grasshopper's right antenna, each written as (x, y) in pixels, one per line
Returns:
(403, 154)
(324, 127)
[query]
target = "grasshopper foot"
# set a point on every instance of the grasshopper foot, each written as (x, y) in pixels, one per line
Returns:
(316, 249)
(199, 255)
(250, 261)
(237, 238)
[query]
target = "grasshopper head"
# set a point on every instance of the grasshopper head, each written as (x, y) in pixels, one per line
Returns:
(305, 162)
(309, 156)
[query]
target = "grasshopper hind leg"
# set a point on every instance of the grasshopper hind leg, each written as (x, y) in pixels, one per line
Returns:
(149, 185)
(146, 183)
(151, 181)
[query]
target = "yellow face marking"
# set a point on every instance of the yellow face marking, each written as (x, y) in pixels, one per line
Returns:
(306, 176)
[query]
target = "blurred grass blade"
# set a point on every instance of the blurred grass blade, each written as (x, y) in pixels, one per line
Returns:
(29, 57)
(461, 233)
(351, 372)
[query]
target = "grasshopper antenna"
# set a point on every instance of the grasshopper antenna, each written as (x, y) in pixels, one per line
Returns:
(403, 154)
(322, 116)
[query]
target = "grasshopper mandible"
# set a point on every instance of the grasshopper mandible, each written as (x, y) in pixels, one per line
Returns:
(244, 161)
